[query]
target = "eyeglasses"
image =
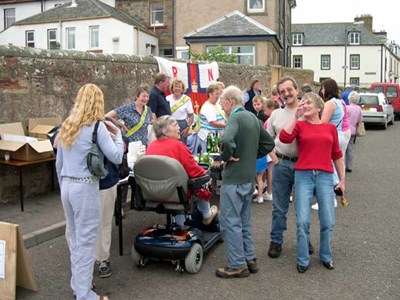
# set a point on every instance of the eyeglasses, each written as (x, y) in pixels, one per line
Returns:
(289, 90)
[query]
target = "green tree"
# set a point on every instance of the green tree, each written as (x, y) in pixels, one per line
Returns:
(215, 54)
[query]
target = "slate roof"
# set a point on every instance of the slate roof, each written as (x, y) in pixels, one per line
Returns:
(234, 24)
(85, 9)
(333, 34)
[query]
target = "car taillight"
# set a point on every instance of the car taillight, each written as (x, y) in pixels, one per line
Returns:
(379, 108)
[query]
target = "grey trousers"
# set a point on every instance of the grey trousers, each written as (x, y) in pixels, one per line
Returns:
(81, 203)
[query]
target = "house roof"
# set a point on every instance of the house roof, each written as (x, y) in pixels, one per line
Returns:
(232, 25)
(85, 9)
(333, 34)
(15, 1)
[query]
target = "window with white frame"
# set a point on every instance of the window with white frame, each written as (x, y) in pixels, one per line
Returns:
(297, 61)
(30, 38)
(9, 17)
(245, 53)
(156, 14)
(70, 35)
(354, 38)
(297, 39)
(182, 52)
(52, 42)
(355, 62)
(94, 36)
(254, 6)
(325, 62)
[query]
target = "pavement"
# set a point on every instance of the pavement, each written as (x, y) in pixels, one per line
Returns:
(365, 246)
(42, 218)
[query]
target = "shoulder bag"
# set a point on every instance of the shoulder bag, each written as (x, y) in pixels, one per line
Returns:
(94, 161)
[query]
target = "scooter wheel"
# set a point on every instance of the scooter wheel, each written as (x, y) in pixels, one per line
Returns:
(194, 259)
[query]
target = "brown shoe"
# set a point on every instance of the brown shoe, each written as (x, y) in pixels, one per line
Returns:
(252, 265)
(214, 212)
(232, 273)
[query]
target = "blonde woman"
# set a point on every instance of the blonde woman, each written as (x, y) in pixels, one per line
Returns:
(181, 108)
(80, 194)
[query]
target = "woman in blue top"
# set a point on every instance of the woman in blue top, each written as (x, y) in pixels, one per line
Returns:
(80, 195)
(134, 117)
(333, 113)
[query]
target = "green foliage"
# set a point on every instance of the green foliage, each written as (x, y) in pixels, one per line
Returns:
(215, 54)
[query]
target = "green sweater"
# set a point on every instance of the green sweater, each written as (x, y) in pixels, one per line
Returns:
(246, 139)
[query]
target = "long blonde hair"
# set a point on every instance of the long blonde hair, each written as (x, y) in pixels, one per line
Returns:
(88, 108)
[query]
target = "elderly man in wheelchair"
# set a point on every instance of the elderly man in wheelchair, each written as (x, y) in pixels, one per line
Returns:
(168, 179)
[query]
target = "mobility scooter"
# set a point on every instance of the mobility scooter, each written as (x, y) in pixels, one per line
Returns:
(162, 185)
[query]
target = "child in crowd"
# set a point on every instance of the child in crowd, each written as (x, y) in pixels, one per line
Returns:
(258, 104)
(269, 106)
(262, 163)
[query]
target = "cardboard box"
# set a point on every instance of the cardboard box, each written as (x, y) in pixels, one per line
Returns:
(41, 127)
(14, 141)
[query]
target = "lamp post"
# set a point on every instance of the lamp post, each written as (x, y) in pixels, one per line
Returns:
(346, 41)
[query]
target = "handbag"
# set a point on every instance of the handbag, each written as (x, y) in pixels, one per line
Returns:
(360, 129)
(94, 161)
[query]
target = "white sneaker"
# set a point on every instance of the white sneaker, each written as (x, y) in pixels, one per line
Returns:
(315, 206)
(255, 193)
(258, 200)
(291, 198)
(267, 197)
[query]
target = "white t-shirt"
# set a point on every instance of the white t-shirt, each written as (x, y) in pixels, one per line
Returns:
(182, 112)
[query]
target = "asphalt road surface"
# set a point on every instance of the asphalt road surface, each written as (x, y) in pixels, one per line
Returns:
(366, 248)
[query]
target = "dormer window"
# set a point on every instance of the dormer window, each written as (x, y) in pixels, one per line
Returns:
(354, 38)
(255, 6)
(297, 39)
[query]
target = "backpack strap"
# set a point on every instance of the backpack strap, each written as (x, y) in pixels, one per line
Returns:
(94, 135)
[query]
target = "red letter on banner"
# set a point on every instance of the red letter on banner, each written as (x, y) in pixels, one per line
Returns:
(174, 72)
(210, 75)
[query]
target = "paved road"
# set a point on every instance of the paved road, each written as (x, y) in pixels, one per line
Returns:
(366, 248)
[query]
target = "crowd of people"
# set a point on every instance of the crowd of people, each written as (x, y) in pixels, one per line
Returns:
(292, 143)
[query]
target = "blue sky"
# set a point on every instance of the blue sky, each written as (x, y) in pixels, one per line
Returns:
(385, 13)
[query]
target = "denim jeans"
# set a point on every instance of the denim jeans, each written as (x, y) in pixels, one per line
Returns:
(307, 183)
(282, 184)
(236, 223)
(350, 153)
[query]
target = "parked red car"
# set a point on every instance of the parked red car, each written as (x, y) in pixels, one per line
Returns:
(392, 93)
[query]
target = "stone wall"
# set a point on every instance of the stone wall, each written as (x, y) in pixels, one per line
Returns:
(41, 83)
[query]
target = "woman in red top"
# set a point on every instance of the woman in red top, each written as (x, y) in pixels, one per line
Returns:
(166, 130)
(318, 145)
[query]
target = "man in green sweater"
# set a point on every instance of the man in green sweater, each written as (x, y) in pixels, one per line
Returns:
(244, 140)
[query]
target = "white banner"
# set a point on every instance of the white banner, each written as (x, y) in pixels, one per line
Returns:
(205, 73)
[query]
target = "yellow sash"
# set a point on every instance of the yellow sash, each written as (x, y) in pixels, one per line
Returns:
(138, 125)
(221, 112)
(179, 104)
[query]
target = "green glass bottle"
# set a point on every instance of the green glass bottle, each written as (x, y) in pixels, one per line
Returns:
(209, 143)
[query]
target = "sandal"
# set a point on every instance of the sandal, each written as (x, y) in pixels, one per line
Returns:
(102, 297)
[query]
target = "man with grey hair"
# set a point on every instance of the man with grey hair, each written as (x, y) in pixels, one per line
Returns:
(244, 140)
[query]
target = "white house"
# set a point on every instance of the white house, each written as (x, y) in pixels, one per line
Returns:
(350, 53)
(12, 11)
(83, 25)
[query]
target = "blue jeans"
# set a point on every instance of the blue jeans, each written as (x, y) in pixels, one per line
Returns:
(236, 223)
(282, 184)
(306, 183)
